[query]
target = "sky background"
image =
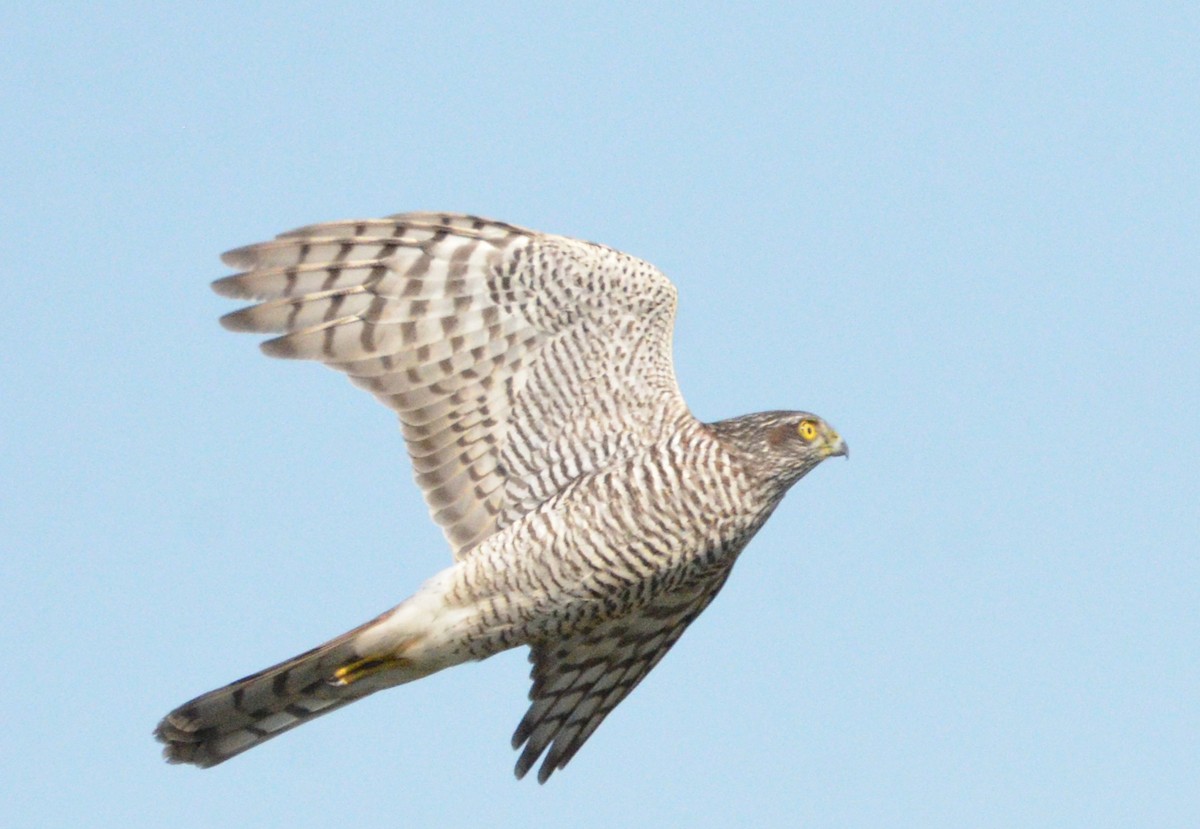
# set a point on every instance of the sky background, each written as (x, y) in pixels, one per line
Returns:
(967, 238)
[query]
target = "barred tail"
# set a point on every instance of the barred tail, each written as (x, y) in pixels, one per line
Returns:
(227, 721)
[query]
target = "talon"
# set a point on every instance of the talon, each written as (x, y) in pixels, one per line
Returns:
(363, 668)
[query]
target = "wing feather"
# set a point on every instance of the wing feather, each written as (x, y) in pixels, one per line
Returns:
(509, 355)
(577, 682)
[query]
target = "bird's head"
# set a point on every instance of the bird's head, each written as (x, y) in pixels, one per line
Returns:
(785, 445)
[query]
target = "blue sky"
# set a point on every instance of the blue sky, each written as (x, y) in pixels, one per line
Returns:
(968, 238)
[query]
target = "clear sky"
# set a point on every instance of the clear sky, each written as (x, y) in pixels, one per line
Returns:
(967, 238)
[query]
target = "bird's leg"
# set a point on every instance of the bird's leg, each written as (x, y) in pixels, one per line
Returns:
(368, 666)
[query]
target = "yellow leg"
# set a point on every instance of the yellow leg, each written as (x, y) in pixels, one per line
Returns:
(363, 668)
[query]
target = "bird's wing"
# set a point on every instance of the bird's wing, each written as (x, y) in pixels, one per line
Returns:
(516, 360)
(577, 681)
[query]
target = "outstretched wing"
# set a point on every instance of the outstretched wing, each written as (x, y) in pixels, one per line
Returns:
(577, 681)
(516, 360)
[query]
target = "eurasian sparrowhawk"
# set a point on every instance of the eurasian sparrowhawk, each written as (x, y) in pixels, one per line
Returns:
(590, 515)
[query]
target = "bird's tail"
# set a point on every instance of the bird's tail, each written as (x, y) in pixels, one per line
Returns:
(222, 723)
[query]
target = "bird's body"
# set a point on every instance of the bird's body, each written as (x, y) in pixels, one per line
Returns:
(592, 516)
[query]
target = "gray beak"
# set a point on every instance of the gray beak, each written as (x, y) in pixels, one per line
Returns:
(838, 447)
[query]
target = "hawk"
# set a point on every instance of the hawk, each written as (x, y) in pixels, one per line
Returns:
(590, 515)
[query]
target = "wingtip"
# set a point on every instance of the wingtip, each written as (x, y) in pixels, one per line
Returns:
(243, 257)
(282, 347)
(229, 286)
(524, 763)
(240, 320)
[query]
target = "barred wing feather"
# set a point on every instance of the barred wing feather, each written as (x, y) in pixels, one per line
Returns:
(516, 360)
(578, 681)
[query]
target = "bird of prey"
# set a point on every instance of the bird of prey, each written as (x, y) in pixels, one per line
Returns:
(590, 515)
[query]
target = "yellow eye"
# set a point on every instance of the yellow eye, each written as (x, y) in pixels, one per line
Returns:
(807, 430)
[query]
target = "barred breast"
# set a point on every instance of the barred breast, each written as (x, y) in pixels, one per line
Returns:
(615, 540)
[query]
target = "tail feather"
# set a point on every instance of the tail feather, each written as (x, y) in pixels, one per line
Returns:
(227, 721)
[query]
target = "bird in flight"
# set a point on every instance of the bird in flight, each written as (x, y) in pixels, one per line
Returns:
(590, 515)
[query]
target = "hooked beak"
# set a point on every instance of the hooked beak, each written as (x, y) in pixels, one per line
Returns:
(835, 446)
